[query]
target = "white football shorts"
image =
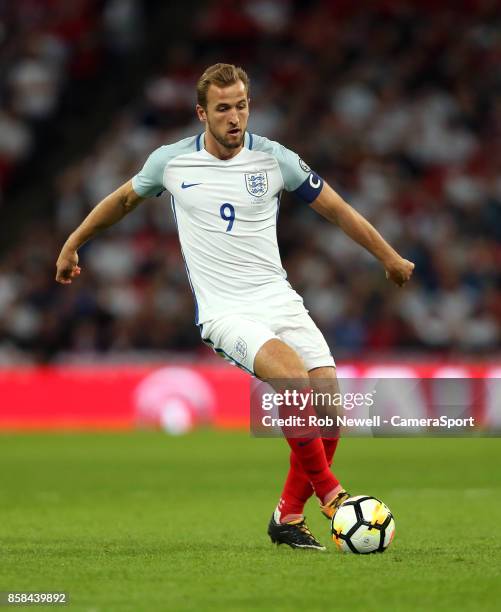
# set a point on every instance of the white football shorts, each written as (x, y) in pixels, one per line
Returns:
(238, 337)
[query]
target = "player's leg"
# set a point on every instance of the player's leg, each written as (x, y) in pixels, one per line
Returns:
(254, 347)
(324, 379)
(298, 488)
(278, 363)
(304, 336)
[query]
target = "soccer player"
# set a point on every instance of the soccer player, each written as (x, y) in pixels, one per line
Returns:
(225, 187)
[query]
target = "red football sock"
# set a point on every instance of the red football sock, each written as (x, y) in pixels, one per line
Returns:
(298, 488)
(330, 445)
(310, 454)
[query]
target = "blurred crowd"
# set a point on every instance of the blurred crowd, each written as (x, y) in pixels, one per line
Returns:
(43, 45)
(397, 106)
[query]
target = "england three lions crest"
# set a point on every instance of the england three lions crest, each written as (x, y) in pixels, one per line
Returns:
(256, 183)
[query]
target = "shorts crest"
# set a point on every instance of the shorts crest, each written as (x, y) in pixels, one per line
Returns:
(241, 347)
(256, 183)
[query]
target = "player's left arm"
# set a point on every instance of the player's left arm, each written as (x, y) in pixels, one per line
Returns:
(332, 206)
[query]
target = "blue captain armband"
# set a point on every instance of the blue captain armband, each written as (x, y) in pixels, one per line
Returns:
(310, 189)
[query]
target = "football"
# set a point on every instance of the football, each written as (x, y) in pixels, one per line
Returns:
(362, 525)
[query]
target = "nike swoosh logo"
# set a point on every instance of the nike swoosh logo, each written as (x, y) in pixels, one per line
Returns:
(305, 443)
(186, 185)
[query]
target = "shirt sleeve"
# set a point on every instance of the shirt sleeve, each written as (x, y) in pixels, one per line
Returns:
(298, 176)
(148, 181)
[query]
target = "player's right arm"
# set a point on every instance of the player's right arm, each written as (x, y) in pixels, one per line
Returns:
(145, 184)
(108, 212)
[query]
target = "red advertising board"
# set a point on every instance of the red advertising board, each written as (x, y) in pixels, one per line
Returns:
(180, 396)
(119, 397)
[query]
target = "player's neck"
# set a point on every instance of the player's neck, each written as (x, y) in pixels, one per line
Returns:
(218, 150)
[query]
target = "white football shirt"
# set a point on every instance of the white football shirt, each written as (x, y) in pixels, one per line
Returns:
(226, 213)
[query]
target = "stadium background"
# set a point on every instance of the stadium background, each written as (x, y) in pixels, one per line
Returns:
(397, 105)
(396, 109)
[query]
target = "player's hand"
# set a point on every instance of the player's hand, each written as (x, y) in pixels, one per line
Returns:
(67, 266)
(399, 271)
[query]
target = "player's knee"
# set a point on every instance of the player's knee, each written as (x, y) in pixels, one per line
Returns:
(296, 373)
(293, 373)
(277, 360)
(290, 376)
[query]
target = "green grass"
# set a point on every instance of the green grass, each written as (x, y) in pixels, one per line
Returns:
(149, 522)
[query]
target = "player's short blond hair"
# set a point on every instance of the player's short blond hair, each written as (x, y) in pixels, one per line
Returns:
(221, 75)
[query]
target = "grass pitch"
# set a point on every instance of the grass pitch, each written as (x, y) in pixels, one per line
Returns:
(143, 521)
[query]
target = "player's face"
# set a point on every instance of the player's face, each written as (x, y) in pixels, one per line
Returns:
(227, 114)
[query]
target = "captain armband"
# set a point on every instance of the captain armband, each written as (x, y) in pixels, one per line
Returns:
(310, 189)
